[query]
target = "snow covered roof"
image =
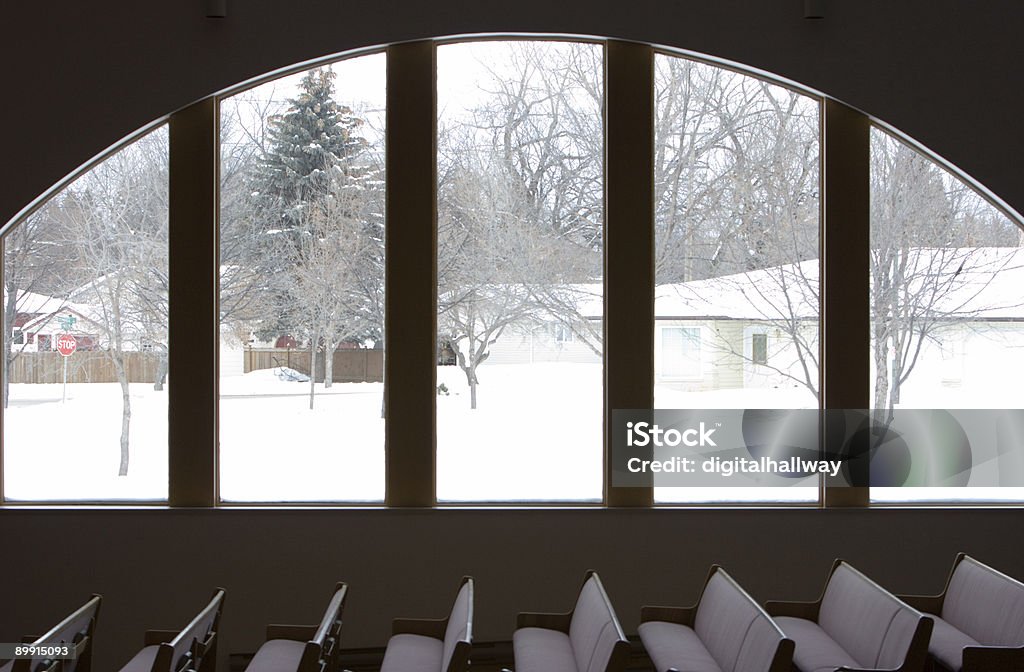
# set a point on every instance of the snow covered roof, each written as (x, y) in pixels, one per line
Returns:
(984, 283)
(33, 303)
(82, 311)
(769, 294)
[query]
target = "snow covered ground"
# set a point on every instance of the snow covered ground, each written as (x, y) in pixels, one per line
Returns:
(536, 435)
(71, 449)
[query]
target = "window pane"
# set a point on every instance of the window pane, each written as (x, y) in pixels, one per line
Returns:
(302, 287)
(736, 251)
(86, 275)
(519, 408)
(946, 272)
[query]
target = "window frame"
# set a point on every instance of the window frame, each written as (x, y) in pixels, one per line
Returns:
(759, 348)
(697, 339)
(410, 460)
(220, 97)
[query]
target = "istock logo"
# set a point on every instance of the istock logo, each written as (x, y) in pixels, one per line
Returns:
(642, 434)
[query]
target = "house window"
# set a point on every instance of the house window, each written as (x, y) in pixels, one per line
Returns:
(759, 349)
(19, 337)
(519, 245)
(95, 257)
(680, 352)
(302, 269)
(562, 333)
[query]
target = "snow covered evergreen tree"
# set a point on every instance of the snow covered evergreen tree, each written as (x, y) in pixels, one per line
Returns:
(313, 145)
(319, 236)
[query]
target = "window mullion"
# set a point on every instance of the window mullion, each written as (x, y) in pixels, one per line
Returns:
(628, 245)
(194, 327)
(845, 288)
(411, 276)
(3, 348)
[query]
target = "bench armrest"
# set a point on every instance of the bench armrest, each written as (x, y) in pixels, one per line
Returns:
(929, 604)
(427, 627)
(558, 622)
(993, 658)
(805, 610)
(679, 615)
(295, 633)
(154, 637)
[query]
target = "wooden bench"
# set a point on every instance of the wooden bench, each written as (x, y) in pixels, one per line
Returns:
(76, 630)
(726, 631)
(586, 639)
(433, 645)
(304, 648)
(855, 625)
(193, 649)
(979, 620)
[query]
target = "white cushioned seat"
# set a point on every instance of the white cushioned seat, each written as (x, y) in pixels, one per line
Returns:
(869, 628)
(142, 661)
(276, 655)
(413, 653)
(815, 650)
(425, 645)
(542, 650)
(947, 644)
(586, 639)
(980, 607)
(726, 631)
(678, 646)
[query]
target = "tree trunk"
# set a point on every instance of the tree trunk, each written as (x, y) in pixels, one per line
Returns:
(126, 415)
(328, 363)
(468, 368)
(10, 314)
(7, 371)
(897, 375)
(312, 368)
(881, 365)
(161, 372)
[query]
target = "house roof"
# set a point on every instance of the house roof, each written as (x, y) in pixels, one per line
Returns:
(85, 313)
(985, 283)
(33, 303)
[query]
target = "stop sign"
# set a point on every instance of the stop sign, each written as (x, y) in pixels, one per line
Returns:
(66, 344)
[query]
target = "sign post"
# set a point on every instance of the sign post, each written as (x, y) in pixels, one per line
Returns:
(66, 345)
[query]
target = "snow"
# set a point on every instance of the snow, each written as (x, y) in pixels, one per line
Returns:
(70, 450)
(535, 436)
(274, 448)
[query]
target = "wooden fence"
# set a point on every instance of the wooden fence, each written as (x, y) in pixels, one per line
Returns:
(350, 366)
(84, 366)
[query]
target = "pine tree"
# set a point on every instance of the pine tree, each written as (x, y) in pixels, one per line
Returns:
(316, 194)
(312, 145)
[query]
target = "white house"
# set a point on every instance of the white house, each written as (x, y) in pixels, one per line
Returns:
(964, 307)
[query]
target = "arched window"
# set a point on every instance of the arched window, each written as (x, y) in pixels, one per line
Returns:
(563, 229)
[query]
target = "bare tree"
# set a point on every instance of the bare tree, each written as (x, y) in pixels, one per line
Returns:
(520, 203)
(34, 268)
(331, 255)
(114, 219)
(936, 246)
